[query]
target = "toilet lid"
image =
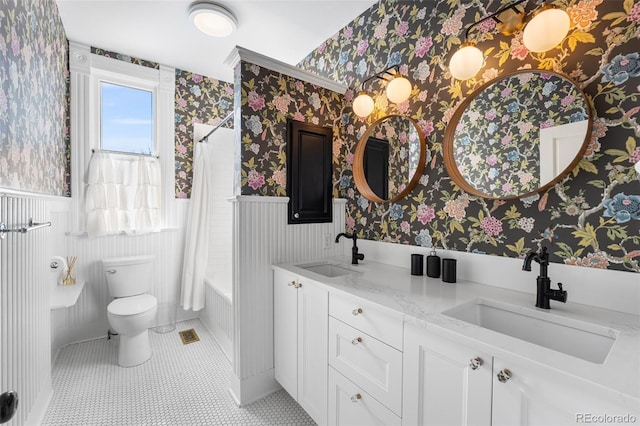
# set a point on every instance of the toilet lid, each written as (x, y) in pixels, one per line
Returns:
(133, 305)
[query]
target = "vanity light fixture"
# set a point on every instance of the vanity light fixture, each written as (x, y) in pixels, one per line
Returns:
(398, 90)
(548, 27)
(212, 19)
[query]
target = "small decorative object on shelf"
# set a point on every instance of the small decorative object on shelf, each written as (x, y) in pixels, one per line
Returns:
(68, 278)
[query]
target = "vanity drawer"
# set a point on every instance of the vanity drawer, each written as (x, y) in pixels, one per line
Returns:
(371, 364)
(368, 317)
(351, 406)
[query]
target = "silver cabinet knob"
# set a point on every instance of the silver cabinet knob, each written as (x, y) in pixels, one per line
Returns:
(355, 398)
(295, 284)
(475, 363)
(110, 271)
(296, 215)
(504, 375)
(356, 340)
(357, 311)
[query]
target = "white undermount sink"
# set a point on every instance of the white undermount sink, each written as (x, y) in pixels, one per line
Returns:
(590, 342)
(327, 269)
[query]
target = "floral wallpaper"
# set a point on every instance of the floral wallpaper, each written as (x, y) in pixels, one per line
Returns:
(591, 218)
(199, 99)
(497, 139)
(34, 133)
(125, 58)
(268, 98)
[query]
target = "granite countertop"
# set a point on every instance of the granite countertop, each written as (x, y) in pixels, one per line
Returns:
(421, 300)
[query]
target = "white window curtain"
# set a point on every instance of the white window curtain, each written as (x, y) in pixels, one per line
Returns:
(123, 194)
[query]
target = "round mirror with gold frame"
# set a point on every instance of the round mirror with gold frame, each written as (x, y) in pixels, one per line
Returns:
(517, 135)
(389, 159)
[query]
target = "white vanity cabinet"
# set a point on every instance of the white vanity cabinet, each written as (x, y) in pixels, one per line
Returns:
(445, 383)
(450, 383)
(541, 395)
(300, 327)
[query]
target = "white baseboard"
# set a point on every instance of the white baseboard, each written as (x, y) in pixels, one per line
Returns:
(249, 390)
(36, 415)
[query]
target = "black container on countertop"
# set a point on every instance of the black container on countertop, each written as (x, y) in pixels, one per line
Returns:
(449, 270)
(433, 265)
(417, 264)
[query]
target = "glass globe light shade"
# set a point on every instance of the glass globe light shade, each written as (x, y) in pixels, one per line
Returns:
(398, 89)
(466, 62)
(546, 30)
(363, 104)
(212, 19)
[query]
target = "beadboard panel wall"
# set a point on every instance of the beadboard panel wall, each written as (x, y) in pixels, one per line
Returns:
(25, 286)
(262, 237)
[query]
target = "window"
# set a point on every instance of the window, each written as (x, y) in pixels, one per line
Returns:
(126, 119)
(127, 108)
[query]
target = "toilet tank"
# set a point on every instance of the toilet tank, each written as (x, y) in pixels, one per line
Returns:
(128, 276)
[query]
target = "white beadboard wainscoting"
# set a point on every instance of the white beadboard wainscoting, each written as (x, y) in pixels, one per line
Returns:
(25, 286)
(261, 237)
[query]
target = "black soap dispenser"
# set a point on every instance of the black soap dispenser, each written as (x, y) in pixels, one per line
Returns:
(433, 265)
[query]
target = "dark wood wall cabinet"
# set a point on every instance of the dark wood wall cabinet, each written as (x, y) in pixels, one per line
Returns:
(309, 172)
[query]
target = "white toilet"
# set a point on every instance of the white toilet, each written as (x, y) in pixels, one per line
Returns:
(132, 311)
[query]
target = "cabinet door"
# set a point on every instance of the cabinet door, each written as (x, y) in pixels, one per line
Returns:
(542, 396)
(313, 314)
(441, 384)
(309, 172)
(351, 406)
(285, 330)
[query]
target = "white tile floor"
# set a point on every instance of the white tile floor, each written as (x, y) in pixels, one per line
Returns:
(180, 385)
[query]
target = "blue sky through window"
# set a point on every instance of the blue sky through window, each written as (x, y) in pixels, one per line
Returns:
(126, 122)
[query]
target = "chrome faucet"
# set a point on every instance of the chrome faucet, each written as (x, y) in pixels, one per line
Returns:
(355, 256)
(544, 291)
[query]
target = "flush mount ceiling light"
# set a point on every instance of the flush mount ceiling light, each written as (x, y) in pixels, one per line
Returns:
(212, 18)
(398, 90)
(548, 27)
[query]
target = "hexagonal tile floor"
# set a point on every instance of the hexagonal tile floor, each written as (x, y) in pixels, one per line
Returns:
(180, 385)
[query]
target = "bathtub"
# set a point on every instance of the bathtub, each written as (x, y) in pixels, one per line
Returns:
(218, 315)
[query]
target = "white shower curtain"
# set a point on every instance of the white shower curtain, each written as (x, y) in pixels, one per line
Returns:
(123, 194)
(196, 251)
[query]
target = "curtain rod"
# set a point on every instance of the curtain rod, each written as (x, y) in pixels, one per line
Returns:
(124, 153)
(224, 120)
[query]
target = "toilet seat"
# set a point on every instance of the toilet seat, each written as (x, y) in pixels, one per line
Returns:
(134, 305)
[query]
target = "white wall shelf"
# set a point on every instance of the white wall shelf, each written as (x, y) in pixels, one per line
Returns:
(64, 296)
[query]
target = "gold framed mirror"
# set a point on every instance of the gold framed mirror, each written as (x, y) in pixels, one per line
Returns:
(389, 159)
(517, 135)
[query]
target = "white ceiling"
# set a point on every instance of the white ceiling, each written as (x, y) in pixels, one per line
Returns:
(160, 30)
